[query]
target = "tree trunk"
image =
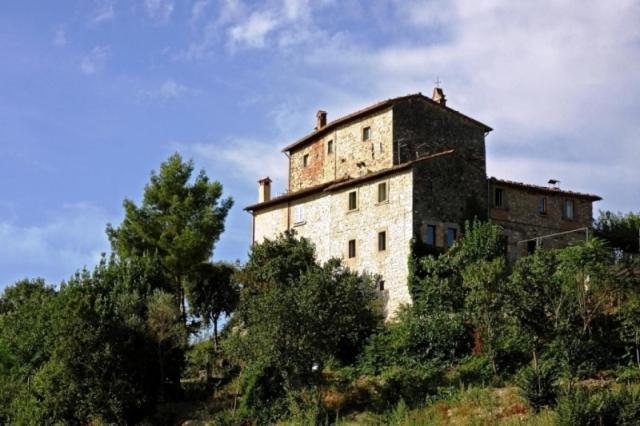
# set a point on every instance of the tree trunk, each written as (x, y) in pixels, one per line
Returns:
(535, 366)
(161, 360)
(637, 350)
(215, 333)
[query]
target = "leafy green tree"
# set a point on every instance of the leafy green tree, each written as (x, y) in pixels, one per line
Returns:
(294, 315)
(212, 293)
(621, 231)
(180, 219)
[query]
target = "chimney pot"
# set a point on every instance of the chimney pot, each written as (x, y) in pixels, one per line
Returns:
(321, 119)
(264, 189)
(438, 96)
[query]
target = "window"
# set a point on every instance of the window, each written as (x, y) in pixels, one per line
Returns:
(366, 133)
(382, 241)
(381, 285)
(330, 147)
(353, 200)
(382, 192)
(567, 210)
(299, 214)
(452, 233)
(542, 205)
(498, 197)
(430, 237)
(531, 246)
(305, 160)
(352, 249)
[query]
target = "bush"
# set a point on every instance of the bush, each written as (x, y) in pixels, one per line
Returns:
(584, 407)
(413, 385)
(539, 386)
(475, 369)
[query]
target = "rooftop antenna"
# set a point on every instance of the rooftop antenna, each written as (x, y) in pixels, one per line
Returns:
(437, 82)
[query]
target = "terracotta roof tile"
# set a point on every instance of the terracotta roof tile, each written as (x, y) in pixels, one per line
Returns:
(544, 189)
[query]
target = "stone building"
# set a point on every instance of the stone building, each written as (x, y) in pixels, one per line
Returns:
(363, 186)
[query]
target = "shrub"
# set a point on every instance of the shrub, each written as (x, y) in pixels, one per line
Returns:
(584, 407)
(538, 386)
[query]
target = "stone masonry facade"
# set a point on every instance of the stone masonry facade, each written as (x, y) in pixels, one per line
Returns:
(366, 185)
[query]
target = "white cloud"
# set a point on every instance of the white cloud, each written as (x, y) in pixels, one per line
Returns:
(169, 89)
(104, 12)
(60, 36)
(244, 159)
(73, 237)
(159, 10)
(95, 61)
(253, 32)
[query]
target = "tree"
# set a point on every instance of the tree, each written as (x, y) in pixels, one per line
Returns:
(179, 220)
(211, 293)
(294, 315)
(619, 230)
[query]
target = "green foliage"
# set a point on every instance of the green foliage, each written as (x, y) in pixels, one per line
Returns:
(584, 407)
(538, 384)
(285, 331)
(179, 221)
(621, 231)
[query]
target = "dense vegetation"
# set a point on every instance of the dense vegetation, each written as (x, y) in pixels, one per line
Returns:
(552, 338)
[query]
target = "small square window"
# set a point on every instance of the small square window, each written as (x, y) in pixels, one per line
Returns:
(452, 234)
(498, 197)
(305, 160)
(366, 133)
(353, 200)
(382, 192)
(382, 241)
(330, 147)
(352, 249)
(430, 237)
(567, 210)
(542, 205)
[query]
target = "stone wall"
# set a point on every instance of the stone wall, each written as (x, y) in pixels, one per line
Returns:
(348, 150)
(329, 224)
(521, 220)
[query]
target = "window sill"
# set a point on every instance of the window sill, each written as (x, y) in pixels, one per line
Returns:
(380, 203)
(353, 211)
(304, 222)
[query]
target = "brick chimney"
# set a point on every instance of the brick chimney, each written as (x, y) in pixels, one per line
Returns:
(438, 96)
(264, 189)
(321, 119)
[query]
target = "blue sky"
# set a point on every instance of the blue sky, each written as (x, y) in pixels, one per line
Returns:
(94, 94)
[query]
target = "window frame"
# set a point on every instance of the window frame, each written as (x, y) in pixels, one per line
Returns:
(382, 241)
(455, 236)
(351, 249)
(542, 205)
(305, 160)
(568, 202)
(426, 235)
(298, 217)
(386, 192)
(501, 198)
(330, 147)
(355, 201)
(366, 133)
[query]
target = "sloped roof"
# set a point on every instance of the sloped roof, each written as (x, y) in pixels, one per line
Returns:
(545, 190)
(376, 107)
(344, 182)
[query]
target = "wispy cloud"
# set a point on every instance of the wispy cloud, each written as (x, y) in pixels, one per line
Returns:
(159, 10)
(103, 12)
(71, 238)
(60, 36)
(169, 89)
(198, 9)
(95, 60)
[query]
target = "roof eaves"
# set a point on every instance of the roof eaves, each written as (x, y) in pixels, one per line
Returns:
(545, 190)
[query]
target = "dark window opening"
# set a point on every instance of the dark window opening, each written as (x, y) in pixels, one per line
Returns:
(382, 241)
(305, 160)
(542, 205)
(430, 237)
(353, 200)
(452, 234)
(498, 197)
(567, 211)
(381, 285)
(531, 246)
(352, 249)
(366, 133)
(330, 147)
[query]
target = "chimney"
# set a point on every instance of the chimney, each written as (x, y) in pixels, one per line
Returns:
(264, 189)
(321, 119)
(438, 96)
(554, 184)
